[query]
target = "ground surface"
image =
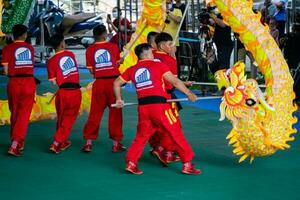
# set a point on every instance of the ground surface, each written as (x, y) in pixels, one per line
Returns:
(100, 174)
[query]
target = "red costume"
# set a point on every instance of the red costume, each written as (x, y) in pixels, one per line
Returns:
(170, 62)
(153, 110)
(161, 139)
(102, 59)
(19, 56)
(63, 68)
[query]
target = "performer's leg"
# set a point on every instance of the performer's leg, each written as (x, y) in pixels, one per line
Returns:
(98, 104)
(21, 94)
(172, 127)
(144, 131)
(70, 105)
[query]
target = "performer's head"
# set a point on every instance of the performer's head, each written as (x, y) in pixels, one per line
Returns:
(164, 42)
(100, 33)
(151, 39)
(20, 32)
(144, 52)
(57, 41)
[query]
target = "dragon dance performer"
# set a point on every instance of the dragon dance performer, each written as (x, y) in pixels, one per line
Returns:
(162, 145)
(18, 62)
(153, 111)
(102, 58)
(63, 71)
(151, 40)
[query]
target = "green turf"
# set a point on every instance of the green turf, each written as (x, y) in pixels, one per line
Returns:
(73, 175)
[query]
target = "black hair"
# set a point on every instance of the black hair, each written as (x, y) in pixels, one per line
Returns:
(151, 35)
(98, 31)
(19, 30)
(163, 37)
(56, 40)
(139, 49)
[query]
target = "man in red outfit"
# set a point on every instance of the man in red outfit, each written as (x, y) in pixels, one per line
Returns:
(102, 58)
(63, 72)
(18, 62)
(153, 111)
(162, 145)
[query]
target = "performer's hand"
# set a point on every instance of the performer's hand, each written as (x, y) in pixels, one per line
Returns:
(119, 62)
(53, 82)
(119, 103)
(192, 97)
(189, 83)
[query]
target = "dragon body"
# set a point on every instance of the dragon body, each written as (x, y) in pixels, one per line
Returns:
(15, 12)
(262, 124)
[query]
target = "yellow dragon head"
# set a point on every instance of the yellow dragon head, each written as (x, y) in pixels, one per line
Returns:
(242, 96)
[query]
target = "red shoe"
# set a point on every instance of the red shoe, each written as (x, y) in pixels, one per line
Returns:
(65, 145)
(87, 148)
(160, 155)
(118, 148)
(14, 152)
(132, 168)
(54, 148)
(171, 158)
(21, 146)
(191, 170)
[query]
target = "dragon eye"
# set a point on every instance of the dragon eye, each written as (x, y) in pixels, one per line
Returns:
(250, 102)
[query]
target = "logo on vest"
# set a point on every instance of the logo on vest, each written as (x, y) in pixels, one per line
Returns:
(102, 59)
(142, 78)
(23, 57)
(67, 65)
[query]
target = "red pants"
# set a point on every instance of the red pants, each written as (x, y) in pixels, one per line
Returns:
(102, 97)
(21, 93)
(162, 139)
(151, 118)
(67, 103)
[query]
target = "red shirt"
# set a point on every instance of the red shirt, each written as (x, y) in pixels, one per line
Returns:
(123, 22)
(63, 67)
(169, 61)
(19, 56)
(102, 58)
(147, 76)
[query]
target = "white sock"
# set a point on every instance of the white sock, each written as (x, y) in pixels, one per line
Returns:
(14, 144)
(160, 148)
(55, 143)
(187, 164)
(89, 142)
(169, 153)
(115, 143)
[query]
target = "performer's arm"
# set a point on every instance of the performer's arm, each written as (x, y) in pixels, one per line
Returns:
(88, 58)
(51, 72)
(5, 69)
(117, 90)
(168, 76)
(4, 61)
